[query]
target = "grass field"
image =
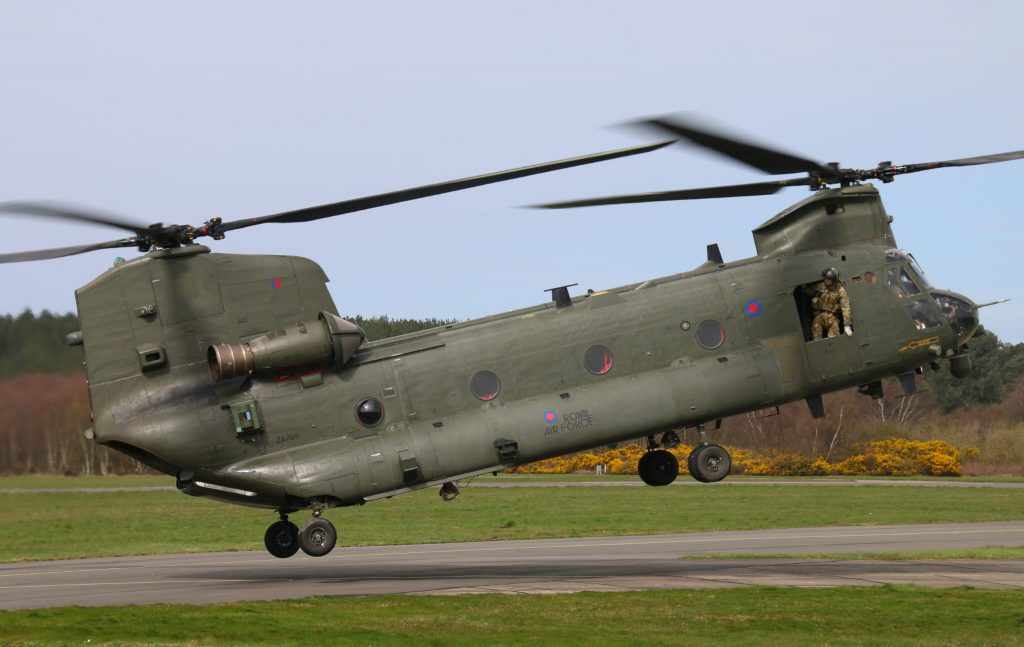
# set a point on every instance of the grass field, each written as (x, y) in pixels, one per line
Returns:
(95, 524)
(988, 552)
(92, 524)
(907, 616)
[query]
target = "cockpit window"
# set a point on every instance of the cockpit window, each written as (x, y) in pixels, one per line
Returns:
(917, 269)
(900, 282)
(923, 314)
(961, 315)
(902, 256)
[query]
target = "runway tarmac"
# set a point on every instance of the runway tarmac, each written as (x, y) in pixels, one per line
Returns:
(538, 566)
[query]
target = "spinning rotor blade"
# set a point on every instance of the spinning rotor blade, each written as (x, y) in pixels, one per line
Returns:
(49, 210)
(168, 236)
(818, 176)
(393, 197)
(765, 159)
(58, 252)
(964, 161)
(732, 191)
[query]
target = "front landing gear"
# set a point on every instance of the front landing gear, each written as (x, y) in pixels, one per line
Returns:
(282, 538)
(316, 538)
(658, 467)
(709, 463)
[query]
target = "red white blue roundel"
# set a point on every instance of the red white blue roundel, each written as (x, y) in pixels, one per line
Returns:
(550, 417)
(752, 308)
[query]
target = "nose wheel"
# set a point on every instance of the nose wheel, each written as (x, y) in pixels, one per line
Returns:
(709, 463)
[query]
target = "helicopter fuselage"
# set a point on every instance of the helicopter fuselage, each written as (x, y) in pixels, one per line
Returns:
(469, 398)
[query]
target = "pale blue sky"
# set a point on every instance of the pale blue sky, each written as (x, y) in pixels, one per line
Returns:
(179, 111)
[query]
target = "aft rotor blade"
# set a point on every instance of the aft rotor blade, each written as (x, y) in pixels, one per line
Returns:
(404, 195)
(52, 210)
(58, 252)
(732, 191)
(964, 161)
(766, 159)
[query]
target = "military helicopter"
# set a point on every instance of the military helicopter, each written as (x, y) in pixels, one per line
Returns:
(234, 374)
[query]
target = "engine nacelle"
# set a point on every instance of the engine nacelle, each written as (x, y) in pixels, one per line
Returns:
(301, 349)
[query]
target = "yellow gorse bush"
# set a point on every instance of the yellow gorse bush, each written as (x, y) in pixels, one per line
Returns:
(889, 457)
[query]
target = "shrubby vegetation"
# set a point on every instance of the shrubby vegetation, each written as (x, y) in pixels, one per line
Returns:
(890, 457)
(973, 426)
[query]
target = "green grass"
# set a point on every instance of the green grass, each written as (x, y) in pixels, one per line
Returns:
(50, 481)
(988, 552)
(888, 615)
(93, 524)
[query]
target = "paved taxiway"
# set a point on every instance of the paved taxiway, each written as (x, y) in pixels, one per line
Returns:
(541, 566)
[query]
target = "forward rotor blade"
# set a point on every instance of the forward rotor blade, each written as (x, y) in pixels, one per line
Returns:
(964, 161)
(765, 159)
(404, 195)
(732, 191)
(58, 252)
(50, 210)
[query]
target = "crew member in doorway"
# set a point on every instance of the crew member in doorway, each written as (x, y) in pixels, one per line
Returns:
(829, 303)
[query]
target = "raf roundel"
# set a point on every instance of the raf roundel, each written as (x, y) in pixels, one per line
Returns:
(752, 308)
(550, 417)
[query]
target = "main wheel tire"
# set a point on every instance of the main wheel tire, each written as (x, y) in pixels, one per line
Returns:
(282, 539)
(712, 463)
(691, 465)
(662, 467)
(317, 537)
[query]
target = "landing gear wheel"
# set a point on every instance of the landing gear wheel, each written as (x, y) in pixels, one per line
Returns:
(710, 463)
(658, 467)
(691, 466)
(643, 466)
(317, 537)
(282, 539)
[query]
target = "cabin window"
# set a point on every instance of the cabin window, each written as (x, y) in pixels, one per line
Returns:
(485, 385)
(710, 334)
(369, 412)
(598, 360)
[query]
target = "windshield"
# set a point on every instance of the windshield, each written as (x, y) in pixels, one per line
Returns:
(901, 255)
(917, 269)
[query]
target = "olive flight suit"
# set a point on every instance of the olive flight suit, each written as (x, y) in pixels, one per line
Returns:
(827, 304)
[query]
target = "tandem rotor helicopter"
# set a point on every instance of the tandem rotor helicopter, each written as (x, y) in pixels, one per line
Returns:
(234, 374)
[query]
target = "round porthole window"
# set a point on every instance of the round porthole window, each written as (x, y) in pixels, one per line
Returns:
(710, 334)
(369, 412)
(598, 360)
(485, 385)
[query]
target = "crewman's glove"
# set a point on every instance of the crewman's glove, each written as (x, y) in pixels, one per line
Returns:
(849, 331)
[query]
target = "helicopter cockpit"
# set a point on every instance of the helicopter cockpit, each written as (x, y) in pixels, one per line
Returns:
(906, 280)
(960, 312)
